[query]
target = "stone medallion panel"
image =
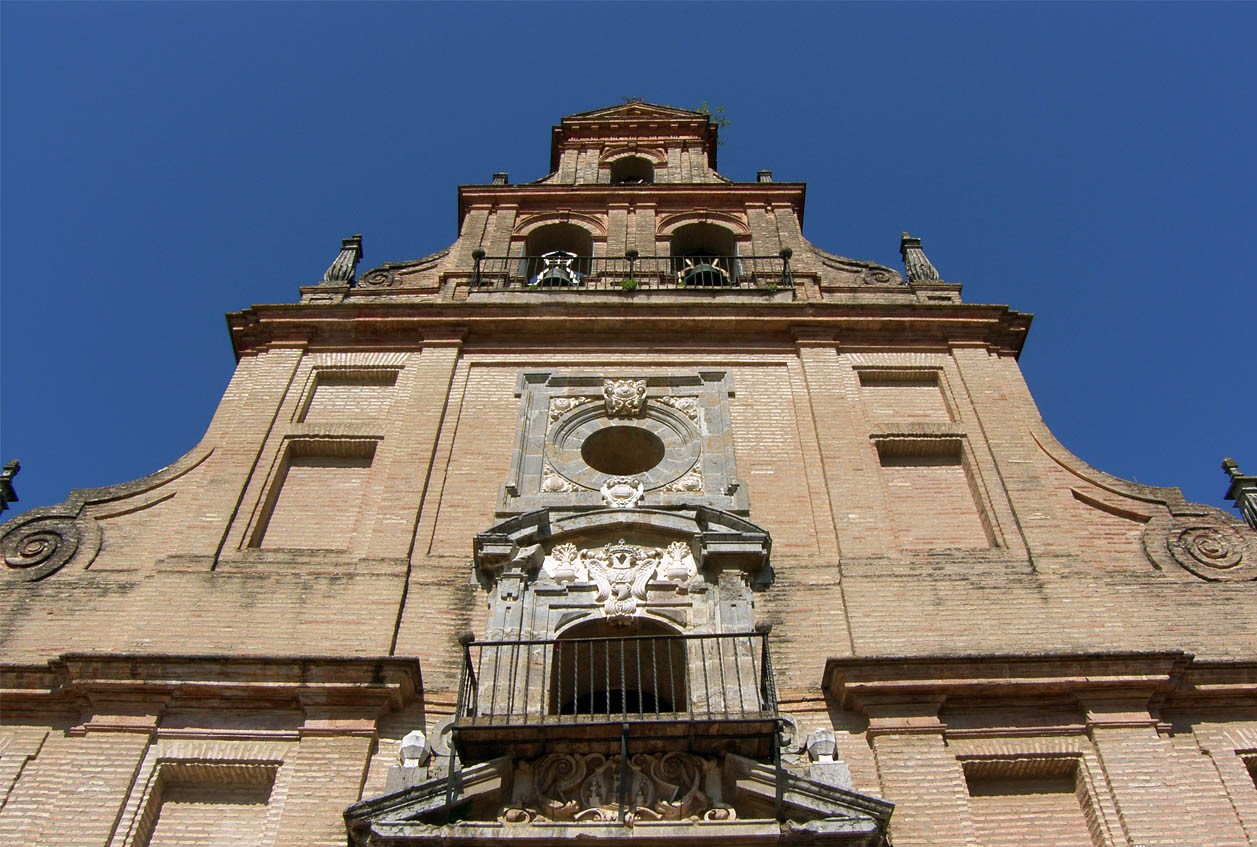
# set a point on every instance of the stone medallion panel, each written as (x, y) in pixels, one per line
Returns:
(623, 440)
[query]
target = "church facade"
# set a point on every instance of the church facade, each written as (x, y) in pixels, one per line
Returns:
(632, 514)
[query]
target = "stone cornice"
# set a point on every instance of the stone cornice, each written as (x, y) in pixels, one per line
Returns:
(131, 684)
(706, 195)
(411, 325)
(1155, 680)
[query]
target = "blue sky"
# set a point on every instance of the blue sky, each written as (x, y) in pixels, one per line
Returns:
(164, 163)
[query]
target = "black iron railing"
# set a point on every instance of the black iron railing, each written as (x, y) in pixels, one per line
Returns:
(680, 678)
(559, 271)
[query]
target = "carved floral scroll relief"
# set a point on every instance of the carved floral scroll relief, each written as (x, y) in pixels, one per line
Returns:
(560, 406)
(586, 787)
(621, 572)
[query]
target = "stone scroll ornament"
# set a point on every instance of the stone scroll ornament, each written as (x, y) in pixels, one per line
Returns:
(625, 398)
(1209, 547)
(39, 546)
(586, 787)
(621, 571)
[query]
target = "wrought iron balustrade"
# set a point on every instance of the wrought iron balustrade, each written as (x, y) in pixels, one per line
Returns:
(568, 272)
(596, 688)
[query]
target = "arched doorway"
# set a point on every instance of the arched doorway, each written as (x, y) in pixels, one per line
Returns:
(600, 669)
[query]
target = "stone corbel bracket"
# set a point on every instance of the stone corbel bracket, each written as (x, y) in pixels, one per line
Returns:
(723, 541)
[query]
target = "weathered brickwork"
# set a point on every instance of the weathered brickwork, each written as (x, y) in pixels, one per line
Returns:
(1008, 644)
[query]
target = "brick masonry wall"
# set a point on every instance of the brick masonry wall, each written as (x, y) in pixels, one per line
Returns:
(1067, 572)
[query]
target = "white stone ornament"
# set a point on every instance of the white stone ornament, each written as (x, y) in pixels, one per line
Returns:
(622, 572)
(415, 750)
(677, 564)
(622, 492)
(564, 565)
(822, 745)
(625, 398)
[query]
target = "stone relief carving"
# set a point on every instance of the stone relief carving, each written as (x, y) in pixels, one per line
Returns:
(587, 787)
(622, 492)
(687, 406)
(1204, 545)
(691, 483)
(39, 547)
(621, 572)
(560, 406)
(625, 398)
(552, 482)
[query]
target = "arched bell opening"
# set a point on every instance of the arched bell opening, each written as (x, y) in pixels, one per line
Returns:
(557, 254)
(632, 170)
(603, 669)
(704, 254)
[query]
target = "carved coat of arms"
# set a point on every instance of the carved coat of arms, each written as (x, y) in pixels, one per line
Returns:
(621, 571)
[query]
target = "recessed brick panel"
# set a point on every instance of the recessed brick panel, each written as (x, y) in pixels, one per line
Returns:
(1028, 811)
(350, 396)
(206, 815)
(318, 500)
(931, 501)
(903, 396)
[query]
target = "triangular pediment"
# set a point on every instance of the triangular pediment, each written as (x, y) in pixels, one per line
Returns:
(637, 110)
(674, 797)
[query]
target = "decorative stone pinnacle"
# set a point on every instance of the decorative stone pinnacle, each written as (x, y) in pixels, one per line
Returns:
(345, 266)
(1243, 491)
(7, 493)
(915, 262)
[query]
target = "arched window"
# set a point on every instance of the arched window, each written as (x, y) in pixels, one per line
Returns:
(704, 254)
(600, 669)
(632, 170)
(557, 255)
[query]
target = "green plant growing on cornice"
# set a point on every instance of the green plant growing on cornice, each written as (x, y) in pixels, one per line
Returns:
(629, 284)
(716, 115)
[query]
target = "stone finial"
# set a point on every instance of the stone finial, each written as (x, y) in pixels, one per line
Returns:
(7, 493)
(822, 745)
(822, 749)
(345, 266)
(1243, 491)
(914, 260)
(415, 750)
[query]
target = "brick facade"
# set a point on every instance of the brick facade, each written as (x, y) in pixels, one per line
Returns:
(1009, 645)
